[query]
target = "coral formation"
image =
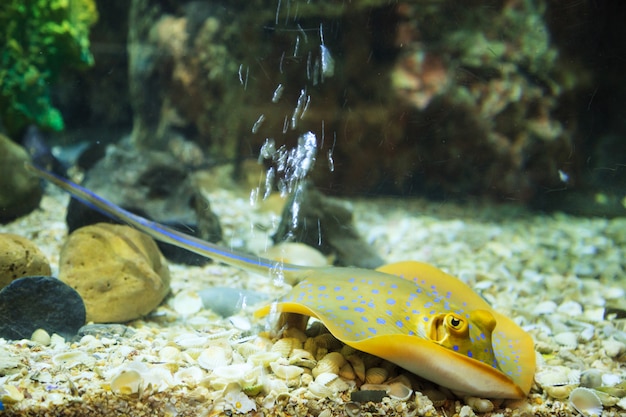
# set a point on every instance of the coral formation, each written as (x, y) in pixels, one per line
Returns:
(42, 38)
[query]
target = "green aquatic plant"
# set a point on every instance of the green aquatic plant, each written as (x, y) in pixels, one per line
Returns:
(41, 39)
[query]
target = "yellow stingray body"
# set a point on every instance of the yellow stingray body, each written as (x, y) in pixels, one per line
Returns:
(409, 313)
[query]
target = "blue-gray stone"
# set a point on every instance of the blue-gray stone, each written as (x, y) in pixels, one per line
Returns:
(227, 301)
(32, 303)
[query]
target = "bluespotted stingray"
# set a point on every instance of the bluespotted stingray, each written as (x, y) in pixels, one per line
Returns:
(409, 313)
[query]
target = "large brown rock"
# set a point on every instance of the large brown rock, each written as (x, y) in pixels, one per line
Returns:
(20, 191)
(118, 271)
(19, 257)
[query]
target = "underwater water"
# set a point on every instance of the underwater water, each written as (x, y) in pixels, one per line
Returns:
(312, 143)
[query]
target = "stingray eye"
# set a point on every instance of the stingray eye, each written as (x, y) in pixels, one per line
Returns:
(456, 324)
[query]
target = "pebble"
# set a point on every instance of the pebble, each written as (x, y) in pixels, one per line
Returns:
(118, 271)
(33, 303)
(227, 301)
(19, 257)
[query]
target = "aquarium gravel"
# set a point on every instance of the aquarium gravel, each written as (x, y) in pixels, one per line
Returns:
(557, 276)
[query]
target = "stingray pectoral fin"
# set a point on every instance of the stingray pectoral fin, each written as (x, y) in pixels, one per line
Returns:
(442, 366)
(285, 307)
(514, 350)
(427, 275)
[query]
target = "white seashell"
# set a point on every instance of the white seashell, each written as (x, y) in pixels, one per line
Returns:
(587, 333)
(41, 336)
(570, 308)
(559, 392)
(10, 394)
(326, 378)
(263, 358)
(287, 372)
(233, 373)
(610, 380)
(191, 340)
(301, 357)
(376, 375)
(189, 377)
(214, 357)
(480, 405)
(187, 303)
(320, 390)
(353, 409)
(169, 354)
(339, 385)
(613, 348)
(568, 340)
(73, 358)
(286, 345)
(586, 402)
(399, 391)
(330, 363)
(275, 386)
(545, 307)
(127, 383)
(347, 372)
(241, 323)
(357, 365)
(157, 379)
(375, 387)
(551, 376)
(325, 413)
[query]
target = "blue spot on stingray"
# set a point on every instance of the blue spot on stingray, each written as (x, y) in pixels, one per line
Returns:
(432, 312)
(370, 304)
(408, 304)
(337, 288)
(399, 323)
(321, 288)
(371, 329)
(448, 294)
(394, 285)
(359, 309)
(364, 319)
(411, 333)
(470, 354)
(349, 322)
(425, 318)
(375, 291)
(381, 320)
(391, 301)
(455, 348)
(418, 290)
(340, 297)
(344, 308)
(351, 280)
(389, 313)
(355, 288)
(407, 318)
(428, 305)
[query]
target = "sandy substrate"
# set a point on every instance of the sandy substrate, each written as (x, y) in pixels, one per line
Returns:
(554, 275)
